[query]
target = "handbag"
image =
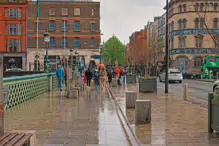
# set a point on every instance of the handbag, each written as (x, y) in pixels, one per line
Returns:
(85, 79)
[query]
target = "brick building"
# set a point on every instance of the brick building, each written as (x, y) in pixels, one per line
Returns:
(137, 47)
(13, 33)
(80, 20)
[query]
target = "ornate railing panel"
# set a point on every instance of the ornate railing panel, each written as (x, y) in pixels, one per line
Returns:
(24, 88)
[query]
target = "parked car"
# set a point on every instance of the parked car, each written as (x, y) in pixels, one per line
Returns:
(174, 75)
(14, 70)
(216, 84)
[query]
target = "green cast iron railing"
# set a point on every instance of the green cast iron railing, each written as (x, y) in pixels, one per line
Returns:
(20, 89)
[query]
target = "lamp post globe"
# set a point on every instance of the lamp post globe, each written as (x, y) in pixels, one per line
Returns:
(47, 40)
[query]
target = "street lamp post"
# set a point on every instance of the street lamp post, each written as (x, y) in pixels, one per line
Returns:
(1, 98)
(47, 40)
(167, 48)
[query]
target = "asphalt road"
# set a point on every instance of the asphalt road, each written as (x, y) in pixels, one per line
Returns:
(198, 89)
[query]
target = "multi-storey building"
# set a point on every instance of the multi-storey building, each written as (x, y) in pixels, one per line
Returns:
(13, 33)
(194, 30)
(137, 47)
(71, 24)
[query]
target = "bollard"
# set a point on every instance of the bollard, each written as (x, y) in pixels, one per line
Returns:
(131, 97)
(185, 96)
(73, 93)
(142, 112)
(210, 98)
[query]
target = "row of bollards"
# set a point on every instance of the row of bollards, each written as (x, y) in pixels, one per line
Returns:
(142, 107)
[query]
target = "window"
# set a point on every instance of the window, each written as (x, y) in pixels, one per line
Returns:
(6, 12)
(64, 11)
(184, 24)
(216, 23)
(198, 62)
(6, 45)
(77, 26)
(199, 22)
(77, 43)
(197, 7)
(52, 26)
(65, 26)
(215, 6)
(15, 13)
(64, 43)
(184, 8)
(172, 43)
(92, 12)
(180, 8)
(180, 24)
(216, 41)
(199, 41)
(15, 29)
(52, 42)
(202, 7)
(77, 11)
(15, 46)
(92, 27)
(92, 42)
(6, 31)
(172, 26)
(52, 12)
(182, 42)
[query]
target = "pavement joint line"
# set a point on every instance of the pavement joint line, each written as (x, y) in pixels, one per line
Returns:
(132, 137)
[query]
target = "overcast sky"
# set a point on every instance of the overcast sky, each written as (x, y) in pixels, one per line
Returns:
(122, 17)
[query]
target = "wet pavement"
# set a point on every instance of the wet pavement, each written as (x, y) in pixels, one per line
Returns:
(89, 120)
(175, 122)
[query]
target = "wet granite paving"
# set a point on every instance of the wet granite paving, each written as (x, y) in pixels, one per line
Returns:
(89, 120)
(174, 122)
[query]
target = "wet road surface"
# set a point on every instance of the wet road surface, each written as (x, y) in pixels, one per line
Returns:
(174, 122)
(69, 122)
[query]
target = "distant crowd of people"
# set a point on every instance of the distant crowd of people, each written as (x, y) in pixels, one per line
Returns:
(96, 76)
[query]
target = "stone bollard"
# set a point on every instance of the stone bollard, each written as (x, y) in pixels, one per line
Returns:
(114, 82)
(73, 94)
(131, 97)
(185, 95)
(76, 88)
(142, 112)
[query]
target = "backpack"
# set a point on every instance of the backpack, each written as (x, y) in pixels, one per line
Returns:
(96, 74)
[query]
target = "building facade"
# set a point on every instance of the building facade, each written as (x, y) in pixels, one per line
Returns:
(13, 42)
(137, 47)
(194, 31)
(71, 24)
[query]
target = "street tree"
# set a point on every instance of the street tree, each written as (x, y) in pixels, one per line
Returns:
(114, 52)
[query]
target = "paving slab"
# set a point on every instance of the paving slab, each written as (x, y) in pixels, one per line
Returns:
(59, 121)
(175, 122)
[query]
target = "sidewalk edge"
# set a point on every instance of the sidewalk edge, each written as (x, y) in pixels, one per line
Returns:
(124, 121)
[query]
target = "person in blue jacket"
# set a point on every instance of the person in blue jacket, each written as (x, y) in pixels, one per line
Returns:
(60, 75)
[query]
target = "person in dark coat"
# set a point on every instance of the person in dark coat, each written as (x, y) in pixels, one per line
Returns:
(89, 75)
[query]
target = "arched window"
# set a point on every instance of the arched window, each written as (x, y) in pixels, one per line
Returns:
(180, 24)
(92, 12)
(180, 8)
(196, 6)
(198, 62)
(184, 8)
(184, 24)
(202, 7)
(202, 22)
(199, 41)
(215, 6)
(196, 23)
(172, 26)
(215, 23)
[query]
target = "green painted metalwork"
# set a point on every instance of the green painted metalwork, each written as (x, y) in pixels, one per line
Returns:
(24, 88)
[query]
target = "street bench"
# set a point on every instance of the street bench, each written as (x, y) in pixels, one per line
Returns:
(15, 139)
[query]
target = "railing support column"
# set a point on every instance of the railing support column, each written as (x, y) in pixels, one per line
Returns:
(49, 83)
(1, 98)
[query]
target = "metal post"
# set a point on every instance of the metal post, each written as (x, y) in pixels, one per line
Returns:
(1, 98)
(210, 98)
(47, 59)
(167, 48)
(185, 91)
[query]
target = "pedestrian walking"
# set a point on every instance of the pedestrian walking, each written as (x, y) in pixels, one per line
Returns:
(60, 75)
(96, 78)
(103, 77)
(88, 75)
(66, 77)
(110, 76)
